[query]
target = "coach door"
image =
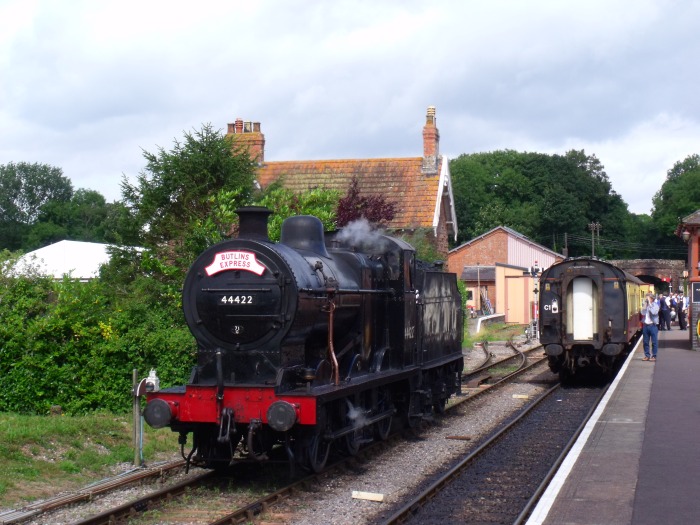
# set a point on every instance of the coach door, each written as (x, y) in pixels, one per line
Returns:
(582, 308)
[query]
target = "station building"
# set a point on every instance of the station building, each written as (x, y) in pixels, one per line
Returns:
(689, 231)
(419, 186)
(500, 269)
(497, 267)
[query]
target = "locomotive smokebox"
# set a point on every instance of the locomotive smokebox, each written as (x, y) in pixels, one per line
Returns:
(252, 222)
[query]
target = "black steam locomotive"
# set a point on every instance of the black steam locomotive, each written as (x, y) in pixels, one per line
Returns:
(589, 316)
(315, 341)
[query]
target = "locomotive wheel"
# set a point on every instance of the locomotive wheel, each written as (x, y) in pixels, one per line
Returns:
(383, 428)
(323, 373)
(350, 443)
(439, 406)
(319, 450)
(415, 425)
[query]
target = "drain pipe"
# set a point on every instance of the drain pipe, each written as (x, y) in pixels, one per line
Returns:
(331, 349)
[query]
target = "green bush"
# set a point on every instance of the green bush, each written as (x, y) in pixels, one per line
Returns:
(75, 344)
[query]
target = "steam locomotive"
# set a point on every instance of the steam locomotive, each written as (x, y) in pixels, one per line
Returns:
(589, 316)
(319, 340)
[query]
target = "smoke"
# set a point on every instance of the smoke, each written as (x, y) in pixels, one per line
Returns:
(356, 415)
(360, 234)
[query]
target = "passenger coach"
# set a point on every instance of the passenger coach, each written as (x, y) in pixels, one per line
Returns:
(589, 315)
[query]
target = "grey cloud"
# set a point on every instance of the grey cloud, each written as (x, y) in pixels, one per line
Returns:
(91, 85)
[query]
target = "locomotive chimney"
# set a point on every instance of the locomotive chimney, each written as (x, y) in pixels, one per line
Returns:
(252, 222)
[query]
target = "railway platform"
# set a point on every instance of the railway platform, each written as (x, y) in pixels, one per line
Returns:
(638, 460)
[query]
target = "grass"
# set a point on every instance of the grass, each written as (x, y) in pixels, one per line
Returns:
(493, 332)
(504, 370)
(44, 455)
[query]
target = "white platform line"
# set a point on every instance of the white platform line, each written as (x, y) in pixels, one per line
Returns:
(550, 495)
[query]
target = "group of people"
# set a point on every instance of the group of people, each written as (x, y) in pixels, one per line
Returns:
(657, 315)
(672, 306)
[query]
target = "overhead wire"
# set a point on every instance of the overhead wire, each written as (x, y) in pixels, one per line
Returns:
(582, 240)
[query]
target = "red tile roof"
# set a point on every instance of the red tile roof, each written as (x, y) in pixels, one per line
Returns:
(399, 180)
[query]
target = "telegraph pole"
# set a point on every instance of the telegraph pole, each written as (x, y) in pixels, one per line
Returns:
(594, 227)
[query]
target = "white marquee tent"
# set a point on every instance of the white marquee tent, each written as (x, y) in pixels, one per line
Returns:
(78, 260)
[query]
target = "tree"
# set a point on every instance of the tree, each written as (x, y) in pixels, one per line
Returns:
(173, 197)
(85, 217)
(472, 177)
(24, 189)
(679, 195)
(541, 196)
(318, 202)
(353, 206)
(12, 235)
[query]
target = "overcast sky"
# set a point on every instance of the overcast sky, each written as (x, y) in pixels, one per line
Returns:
(88, 85)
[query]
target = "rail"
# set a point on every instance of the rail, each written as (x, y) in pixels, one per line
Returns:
(410, 510)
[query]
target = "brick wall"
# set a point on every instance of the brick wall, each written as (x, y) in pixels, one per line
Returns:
(488, 251)
(248, 135)
(431, 143)
(441, 242)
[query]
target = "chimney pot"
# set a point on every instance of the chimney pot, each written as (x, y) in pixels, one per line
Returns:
(247, 134)
(431, 143)
(430, 118)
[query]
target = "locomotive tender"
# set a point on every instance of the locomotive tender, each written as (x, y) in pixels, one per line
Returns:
(314, 341)
(589, 315)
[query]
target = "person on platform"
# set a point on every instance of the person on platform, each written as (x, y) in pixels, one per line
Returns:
(673, 303)
(650, 330)
(682, 311)
(664, 313)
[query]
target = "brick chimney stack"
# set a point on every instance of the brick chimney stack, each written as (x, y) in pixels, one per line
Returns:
(247, 134)
(431, 143)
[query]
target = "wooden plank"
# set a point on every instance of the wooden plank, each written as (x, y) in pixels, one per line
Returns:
(369, 496)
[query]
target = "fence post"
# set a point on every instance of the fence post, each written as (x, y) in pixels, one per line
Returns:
(137, 418)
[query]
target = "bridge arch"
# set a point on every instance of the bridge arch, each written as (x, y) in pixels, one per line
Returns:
(665, 274)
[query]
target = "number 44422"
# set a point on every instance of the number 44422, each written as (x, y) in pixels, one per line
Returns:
(237, 299)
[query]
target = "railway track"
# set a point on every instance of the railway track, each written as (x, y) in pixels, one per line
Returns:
(245, 513)
(253, 510)
(249, 510)
(157, 471)
(132, 508)
(495, 373)
(500, 480)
